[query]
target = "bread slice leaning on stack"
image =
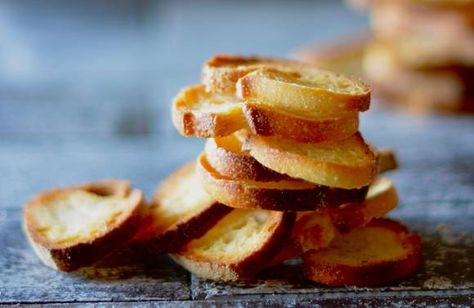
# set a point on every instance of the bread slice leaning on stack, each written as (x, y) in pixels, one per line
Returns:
(74, 227)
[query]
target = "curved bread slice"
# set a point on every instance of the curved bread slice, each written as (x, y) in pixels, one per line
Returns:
(239, 246)
(196, 112)
(348, 163)
(74, 227)
(378, 253)
(204, 114)
(283, 195)
(300, 126)
(227, 157)
(181, 211)
(317, 229)
(322, 93)
(221, 73)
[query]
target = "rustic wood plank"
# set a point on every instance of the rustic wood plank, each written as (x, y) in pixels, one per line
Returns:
(24, 279)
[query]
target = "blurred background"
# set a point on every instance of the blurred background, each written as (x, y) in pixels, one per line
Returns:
(86, 87)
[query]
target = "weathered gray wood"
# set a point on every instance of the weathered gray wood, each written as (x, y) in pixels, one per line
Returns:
(24, 279)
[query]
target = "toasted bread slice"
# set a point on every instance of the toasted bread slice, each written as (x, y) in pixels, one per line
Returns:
(221, 73)
(378, 253)
(238, 246)
(227, 156)
(317, 229)
(74, 227)
(181, 211)
(301, 126)
(283, 195)
(347, 164)
(202, 114)
(321, 93)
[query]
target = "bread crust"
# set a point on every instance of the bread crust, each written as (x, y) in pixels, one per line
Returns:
(285, 195)
(204, 123)
(69, 257)
(266, 122)
(221, 72)
(370, 272)
(267, 151)
(279, 228)
(226, 156)
(152, 241)
(303, 91)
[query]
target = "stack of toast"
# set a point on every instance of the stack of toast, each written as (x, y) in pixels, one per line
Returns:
(422, 53)
(284, 174)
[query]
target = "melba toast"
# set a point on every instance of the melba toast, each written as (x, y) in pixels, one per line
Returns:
(238, 246)
(283, 195)
(74, 227)
(348, 163)
(181, 210)
(378, 253)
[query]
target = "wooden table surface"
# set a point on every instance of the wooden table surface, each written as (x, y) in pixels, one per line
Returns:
(85, 94)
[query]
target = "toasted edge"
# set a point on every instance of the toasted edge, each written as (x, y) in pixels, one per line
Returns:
(152, 242)
(204, 123)
(370, 273)
(70, 258)
(285, 195)
(217, 269)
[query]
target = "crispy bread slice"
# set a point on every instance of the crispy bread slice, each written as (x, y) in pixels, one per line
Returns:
(378, 253)
(221, 73)
(239, 246)
(307, 90)
(348, 164)
(204, 114)
(74, 227)
(317, 229)
(283, 195)
(227, 156)
(181, 211)
(196, 112)
(301, 126)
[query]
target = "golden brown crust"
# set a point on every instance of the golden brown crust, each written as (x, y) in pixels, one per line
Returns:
(284, 195)
(307, 89)
(289, 157)
(153, 239)
(362, 271)
(190, 119)
(266, 122)
(317, 229)
(226, 156)
(221, 72)
(211, 267)
(69, 257)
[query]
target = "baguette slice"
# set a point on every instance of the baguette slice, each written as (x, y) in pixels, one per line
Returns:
(196, 112)
(221, 73)
(317, 229)
(203, 114)
(227, 156)
(378, 253)
(69, 228)
(181, 211)
(239, 246)
(283, 195)
(348, 164)
(309, 89)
